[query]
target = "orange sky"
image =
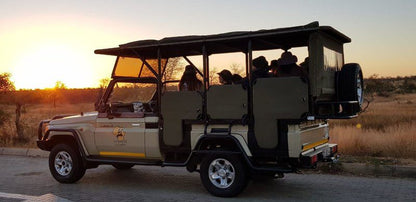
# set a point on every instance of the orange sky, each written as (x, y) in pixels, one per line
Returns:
(47, 41)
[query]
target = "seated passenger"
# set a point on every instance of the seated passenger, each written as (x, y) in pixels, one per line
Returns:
(237, 79)
(189, 82)
(287, 66)
(225, 77)
(273, 67)
(260, 68)
(305, 65)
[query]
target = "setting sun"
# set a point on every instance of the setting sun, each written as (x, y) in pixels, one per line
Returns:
(41, 67)
(42, 45)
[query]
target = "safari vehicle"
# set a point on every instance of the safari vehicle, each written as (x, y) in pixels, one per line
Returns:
(227, 133)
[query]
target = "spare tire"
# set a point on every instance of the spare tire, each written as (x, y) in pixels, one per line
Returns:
(350, 83)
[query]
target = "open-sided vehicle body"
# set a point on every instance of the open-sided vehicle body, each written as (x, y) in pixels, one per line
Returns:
(266, 126)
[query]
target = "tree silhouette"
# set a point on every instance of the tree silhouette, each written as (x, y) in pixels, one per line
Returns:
(6, 85)
(57, 92)
(172, 71)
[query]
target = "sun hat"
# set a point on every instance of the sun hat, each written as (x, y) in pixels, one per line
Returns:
(226, 74)
(260, 63)
(287, 58)
(189, 69)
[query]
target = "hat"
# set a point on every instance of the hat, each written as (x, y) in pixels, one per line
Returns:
(287, 58)
(225, 74)
(260, 63)
(189, 69)
(274, 63)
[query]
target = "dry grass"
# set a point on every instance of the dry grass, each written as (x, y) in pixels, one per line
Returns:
(384, 113)
(397, 142)
(30, 118)
(387, 128)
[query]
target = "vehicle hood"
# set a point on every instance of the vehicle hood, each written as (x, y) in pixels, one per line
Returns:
(81, 118)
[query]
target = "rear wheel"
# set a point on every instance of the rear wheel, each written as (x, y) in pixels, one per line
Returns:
(65, 164)
(223, 175)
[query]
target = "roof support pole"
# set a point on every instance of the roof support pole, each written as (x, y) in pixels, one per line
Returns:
(249, 58)
(205, 63)
(164, 68)
(159, 80)
(146, 63)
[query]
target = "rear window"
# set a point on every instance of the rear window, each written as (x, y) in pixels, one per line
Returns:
(333, 60)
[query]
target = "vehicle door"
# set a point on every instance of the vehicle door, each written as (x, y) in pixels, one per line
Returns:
(121, 135)
(120, 130)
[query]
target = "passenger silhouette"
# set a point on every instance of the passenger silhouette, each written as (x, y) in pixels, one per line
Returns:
(189, 82)
(225, 77)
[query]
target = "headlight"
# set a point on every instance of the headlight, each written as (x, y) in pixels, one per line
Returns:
(45, 128)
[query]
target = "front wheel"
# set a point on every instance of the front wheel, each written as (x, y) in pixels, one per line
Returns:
(223, 175)
(65, 164)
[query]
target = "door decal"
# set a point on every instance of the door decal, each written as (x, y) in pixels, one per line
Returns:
(120, 135)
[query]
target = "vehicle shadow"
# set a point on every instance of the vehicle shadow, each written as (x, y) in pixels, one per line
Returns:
(170, 183)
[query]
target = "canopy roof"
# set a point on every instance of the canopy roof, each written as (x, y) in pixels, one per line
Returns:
(283, 38)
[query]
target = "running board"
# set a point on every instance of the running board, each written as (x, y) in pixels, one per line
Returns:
(106, 160)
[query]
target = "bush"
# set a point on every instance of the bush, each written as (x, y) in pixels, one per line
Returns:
(388, 86)
(3, 117)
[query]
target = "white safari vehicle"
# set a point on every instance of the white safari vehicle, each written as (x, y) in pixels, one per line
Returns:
(227, 133)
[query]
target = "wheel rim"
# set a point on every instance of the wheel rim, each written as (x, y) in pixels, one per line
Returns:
(359, 89)
(63, 163)
(221, 173)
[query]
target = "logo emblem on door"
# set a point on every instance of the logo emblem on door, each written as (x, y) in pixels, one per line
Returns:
(119, 133)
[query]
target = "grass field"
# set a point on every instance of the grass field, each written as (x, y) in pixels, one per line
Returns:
(386, 129)
(30, 118)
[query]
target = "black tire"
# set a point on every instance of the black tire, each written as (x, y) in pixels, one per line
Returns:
(62, 156)
(234, 186)
(351, 83)
(122, 166)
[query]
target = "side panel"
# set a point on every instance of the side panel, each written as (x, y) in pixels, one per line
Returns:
(152, 143)
(240, 132)
(87, 138)
(121, 137)
(273, 99)
(303, 139)
(176, 107)
(86, 135)
(226, 102)
(322, 78)
(152, 138)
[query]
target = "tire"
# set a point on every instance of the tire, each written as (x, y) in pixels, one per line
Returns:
(351, 84)
(122, 166)
(65, 164)
(223, 175)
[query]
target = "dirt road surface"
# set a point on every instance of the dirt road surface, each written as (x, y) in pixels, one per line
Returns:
(27, 178)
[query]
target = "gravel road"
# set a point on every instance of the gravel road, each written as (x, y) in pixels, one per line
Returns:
(27, 178)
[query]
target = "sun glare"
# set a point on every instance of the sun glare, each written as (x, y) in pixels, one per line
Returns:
(44, 66)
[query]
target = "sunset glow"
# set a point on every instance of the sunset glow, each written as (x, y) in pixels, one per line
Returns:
(43, 66)
(47, 41)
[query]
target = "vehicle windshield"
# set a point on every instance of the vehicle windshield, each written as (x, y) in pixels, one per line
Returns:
(135, 68)
(127, 92)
